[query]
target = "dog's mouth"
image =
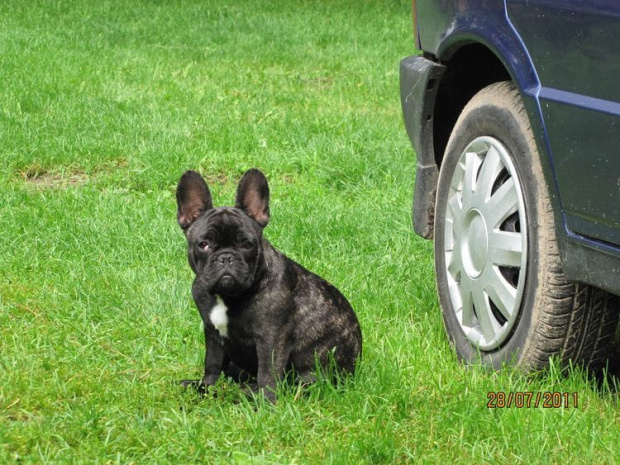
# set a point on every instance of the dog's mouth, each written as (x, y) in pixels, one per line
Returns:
(226, 281)
(227, 285)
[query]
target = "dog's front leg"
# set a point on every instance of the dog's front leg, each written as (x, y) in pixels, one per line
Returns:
(214, 363)
(214, 358)
(272, 361)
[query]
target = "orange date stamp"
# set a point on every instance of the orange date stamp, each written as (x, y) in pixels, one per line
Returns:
(524, 399)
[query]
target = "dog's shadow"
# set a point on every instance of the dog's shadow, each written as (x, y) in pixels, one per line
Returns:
(238, 386)
(234, 382)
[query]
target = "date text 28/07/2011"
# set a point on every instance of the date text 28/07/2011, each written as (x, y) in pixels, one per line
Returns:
(523, 399)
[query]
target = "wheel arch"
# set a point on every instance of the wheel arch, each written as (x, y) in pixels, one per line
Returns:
(472, 62)
(469, 69)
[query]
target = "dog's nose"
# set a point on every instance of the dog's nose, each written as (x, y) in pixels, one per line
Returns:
(225, 259)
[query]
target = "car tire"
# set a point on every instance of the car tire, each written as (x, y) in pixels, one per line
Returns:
(500, 283)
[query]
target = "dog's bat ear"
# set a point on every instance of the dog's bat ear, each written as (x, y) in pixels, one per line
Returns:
(253, 196)
(193, 198)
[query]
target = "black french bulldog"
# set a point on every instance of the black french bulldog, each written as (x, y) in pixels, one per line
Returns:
(263, 313)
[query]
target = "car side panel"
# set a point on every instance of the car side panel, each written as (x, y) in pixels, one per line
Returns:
(447, 25)
(575, 48)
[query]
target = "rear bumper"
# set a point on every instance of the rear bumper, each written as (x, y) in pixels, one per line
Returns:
(419, 82)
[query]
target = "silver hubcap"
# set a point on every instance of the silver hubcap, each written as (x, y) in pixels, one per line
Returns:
(486, 243)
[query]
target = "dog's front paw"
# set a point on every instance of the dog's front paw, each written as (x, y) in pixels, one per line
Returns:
(269, 394)
(197, 384)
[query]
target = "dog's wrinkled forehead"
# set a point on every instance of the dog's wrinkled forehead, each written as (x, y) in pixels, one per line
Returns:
(227, 221)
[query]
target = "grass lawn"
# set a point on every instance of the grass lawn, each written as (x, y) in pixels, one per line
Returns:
(102, 106)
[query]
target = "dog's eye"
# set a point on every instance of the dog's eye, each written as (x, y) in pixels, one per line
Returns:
(204, 245)
(243, 242)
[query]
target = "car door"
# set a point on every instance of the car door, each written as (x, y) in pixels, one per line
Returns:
(575, 48)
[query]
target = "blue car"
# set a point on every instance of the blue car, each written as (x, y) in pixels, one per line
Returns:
(513, 110)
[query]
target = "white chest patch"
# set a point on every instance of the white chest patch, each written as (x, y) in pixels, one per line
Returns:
(218, 316)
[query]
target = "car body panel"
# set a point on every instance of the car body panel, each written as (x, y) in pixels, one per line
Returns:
(576, 54)
(452, 26)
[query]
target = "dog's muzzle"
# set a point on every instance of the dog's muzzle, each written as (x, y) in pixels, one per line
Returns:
(230, 273)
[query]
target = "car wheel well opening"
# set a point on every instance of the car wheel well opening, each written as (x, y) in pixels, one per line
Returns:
(469, 70)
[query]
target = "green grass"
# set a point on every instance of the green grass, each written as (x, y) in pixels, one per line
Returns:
(102, 106)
